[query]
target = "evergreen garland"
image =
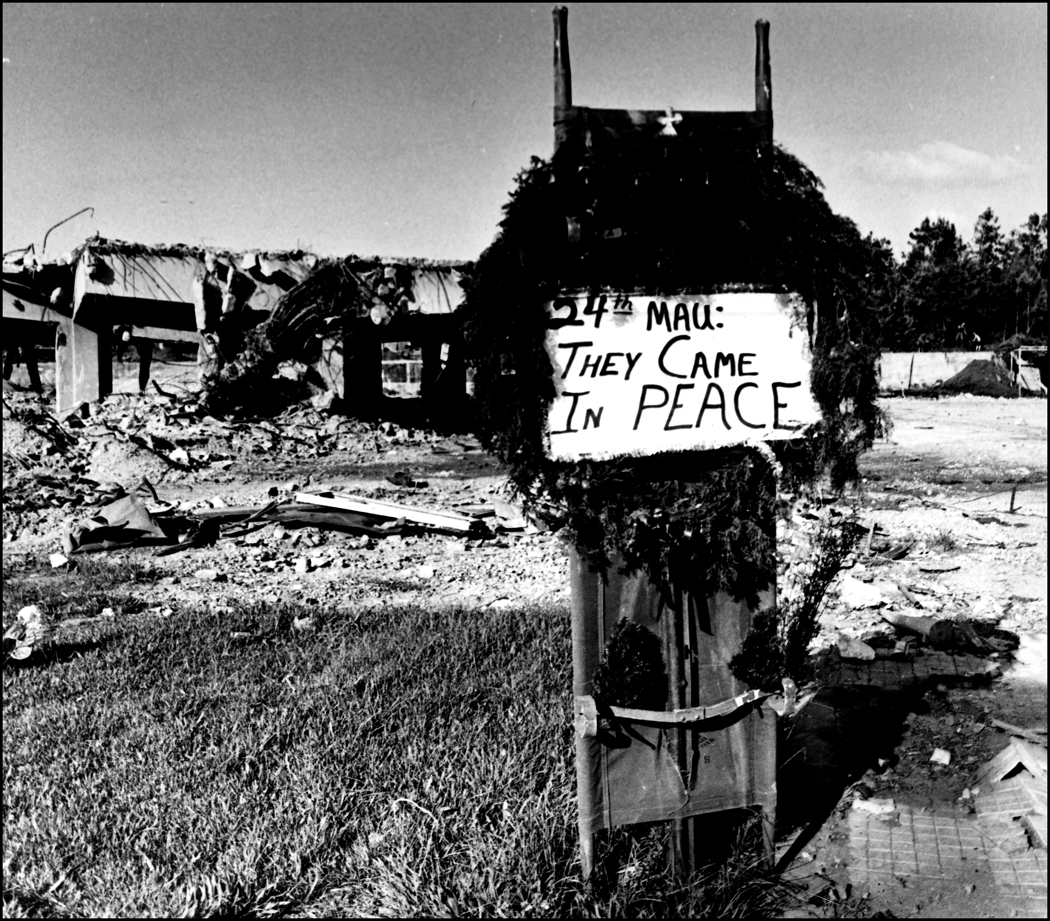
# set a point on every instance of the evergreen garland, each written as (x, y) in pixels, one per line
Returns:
(666, 216)
(632, 671)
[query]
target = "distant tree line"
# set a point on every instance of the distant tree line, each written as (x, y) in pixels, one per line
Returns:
(948, 294)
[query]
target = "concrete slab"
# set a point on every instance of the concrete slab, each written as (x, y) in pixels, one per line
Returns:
(1017, 755)
(949, 847)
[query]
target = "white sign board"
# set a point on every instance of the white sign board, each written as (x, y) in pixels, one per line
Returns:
(641, 375)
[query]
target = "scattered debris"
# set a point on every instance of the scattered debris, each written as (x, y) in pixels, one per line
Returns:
(988, 609)
(904, 647)
(200, 534)
(921, 625)
(210, 575)
(934, 566)
(876, 807)
(31, 626)
(70, 463)
(895, 552)
(125, 522)
(405, 480)
(509, 515)
(458, 445)
(856, 594)
(941, 633)
(941, 756)
(1037, 735)
(390, 510)
(851, 648)
(477, 511)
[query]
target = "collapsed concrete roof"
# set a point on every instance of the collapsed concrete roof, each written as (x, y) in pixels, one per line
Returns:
(162, 287)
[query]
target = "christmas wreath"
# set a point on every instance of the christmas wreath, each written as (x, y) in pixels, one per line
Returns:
(668, 216)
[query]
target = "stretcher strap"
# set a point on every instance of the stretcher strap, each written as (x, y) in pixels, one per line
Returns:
(587, 712)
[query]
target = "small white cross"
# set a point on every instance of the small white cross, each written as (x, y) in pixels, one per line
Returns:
(669, 119)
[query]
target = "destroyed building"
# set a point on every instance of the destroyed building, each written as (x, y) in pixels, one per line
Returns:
(333, 313)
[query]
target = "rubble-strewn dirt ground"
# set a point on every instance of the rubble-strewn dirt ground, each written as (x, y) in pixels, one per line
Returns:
(941, 483)
(957, 493)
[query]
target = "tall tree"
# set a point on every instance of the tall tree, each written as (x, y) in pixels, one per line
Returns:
(988, 242)
(934, 286)
(880, 283)
(1025, 277)
(990, 308)
(933, 243)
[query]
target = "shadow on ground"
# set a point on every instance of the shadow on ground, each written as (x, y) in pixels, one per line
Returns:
(51, 654)
(857, 723)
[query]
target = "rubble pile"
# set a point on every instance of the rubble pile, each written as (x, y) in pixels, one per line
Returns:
(88, 459)
(56, 471)
(911, 561)
(157, 476)
(981, 378)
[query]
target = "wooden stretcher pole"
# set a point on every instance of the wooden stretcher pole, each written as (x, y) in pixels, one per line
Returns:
(766, 753)
(763, 79)
(587, 627)
(679, 851)
(587, 599)
(562, 76)
(763, 84)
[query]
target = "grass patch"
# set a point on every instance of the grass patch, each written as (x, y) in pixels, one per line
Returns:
(395, 762)
(93, 584)
(943, 540)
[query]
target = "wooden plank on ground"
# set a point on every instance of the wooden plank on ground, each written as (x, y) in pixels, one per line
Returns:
(389, 510)
(1033, 735)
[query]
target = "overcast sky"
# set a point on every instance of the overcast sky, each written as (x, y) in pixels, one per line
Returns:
(396, 129)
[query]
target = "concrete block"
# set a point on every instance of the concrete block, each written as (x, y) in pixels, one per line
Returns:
(83, 365)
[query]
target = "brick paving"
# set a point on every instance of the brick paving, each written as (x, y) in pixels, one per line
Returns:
(945, 845)
(948, 847)
(894, 674)
(916, 844)
(1003, 800)
(1021, 881)
(1020, 874)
